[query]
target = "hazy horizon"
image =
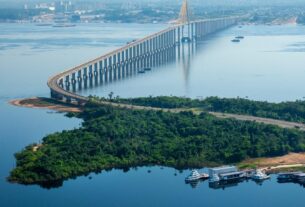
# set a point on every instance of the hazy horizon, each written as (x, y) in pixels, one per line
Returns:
(207, 2)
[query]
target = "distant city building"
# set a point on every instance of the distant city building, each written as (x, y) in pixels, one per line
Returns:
(63, 6)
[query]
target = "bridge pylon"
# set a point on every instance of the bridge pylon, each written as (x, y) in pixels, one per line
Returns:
(184, 15)
(184, 20)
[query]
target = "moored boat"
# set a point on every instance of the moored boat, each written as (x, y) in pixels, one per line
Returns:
(64, 25)
(44, 24)
(195, 175)
(260, 175)
(288, 176)
(235, 40)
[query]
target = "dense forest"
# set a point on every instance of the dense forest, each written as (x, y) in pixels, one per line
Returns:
(120, 138)
(288, 111)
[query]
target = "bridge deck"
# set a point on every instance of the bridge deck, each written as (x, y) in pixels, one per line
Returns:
(53, 82)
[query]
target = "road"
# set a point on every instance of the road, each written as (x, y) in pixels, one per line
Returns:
(280, 123)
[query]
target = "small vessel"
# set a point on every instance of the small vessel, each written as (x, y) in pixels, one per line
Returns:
(235, 40)
(147, 69)
(43, 24)
(141, 71)
(288, 176)
(260, 175)
(239, 37)
(64, 25)
(195, 175)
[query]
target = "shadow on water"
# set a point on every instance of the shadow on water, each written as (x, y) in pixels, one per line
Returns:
(222, 185)
(125, 169)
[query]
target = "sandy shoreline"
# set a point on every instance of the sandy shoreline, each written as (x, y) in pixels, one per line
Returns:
(43, 103)
(291, 160)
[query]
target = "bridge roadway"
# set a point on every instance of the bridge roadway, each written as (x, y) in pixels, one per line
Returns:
(151, 51)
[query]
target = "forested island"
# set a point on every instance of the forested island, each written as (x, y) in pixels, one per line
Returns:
(117, 137)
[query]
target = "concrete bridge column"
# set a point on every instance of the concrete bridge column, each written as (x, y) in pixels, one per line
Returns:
(79, 78)
(125, 69)
(141, 56)
(137, 56)
(85, 75)
(141, 59)
(134, 61)
(174, 36)
(208, 27)
(73, 80)
(124, 59)
(152, 62)
(196, 31)
(179, 35)
(146, 63)
(200, 30)
(122, 73)
(61, 83)
(90, 71)
(114, 66)
(101, 71)
(105, 64)
(130, 60)
(95, 71)
(192, 32)
(90, 75)
(154, 40)
(67, 81)
(166, 47)
(110, 69)
(119, 65)
(163, 48)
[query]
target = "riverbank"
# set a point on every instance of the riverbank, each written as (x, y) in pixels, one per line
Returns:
(48, 103)
(289, 162)
(45, 103)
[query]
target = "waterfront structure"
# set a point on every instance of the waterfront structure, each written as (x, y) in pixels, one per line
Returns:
(223, 173)
(152, 51)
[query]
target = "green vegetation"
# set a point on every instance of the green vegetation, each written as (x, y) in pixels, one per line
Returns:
(288, 111)
(121, 138)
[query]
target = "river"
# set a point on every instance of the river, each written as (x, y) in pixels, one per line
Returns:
(267, 65)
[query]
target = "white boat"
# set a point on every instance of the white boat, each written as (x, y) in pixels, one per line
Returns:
(195, 175)
(259, 175)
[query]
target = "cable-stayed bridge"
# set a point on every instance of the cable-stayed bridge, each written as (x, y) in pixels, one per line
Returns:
(135, 57)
